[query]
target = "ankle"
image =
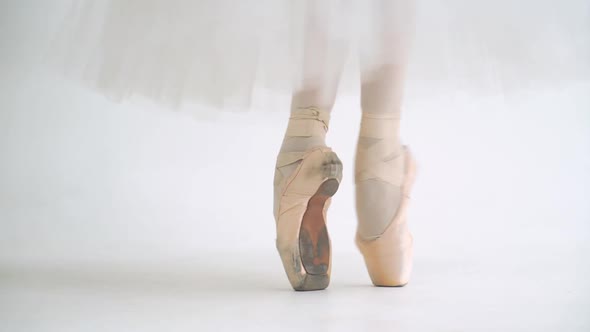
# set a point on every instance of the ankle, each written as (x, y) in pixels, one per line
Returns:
(306, 129)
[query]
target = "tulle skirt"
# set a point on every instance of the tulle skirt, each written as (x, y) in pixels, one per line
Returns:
(223, 52)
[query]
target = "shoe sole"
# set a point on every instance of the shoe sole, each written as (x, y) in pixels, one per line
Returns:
(314, 241)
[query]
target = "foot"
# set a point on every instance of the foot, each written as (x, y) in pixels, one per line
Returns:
(307, 175)
(300, 214)
(383, 176)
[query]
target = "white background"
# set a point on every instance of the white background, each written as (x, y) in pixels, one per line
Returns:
(134, 218)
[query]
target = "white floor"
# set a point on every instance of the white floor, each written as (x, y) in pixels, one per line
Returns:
(244, 291)
(131, 218)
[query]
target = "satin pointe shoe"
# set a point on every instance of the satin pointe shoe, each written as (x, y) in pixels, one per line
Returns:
(302, 198)
(388, 257)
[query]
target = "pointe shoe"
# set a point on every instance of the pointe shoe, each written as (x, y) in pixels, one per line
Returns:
(389, 257)
(301, 203)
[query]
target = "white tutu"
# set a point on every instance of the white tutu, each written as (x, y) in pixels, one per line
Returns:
(220, 52)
